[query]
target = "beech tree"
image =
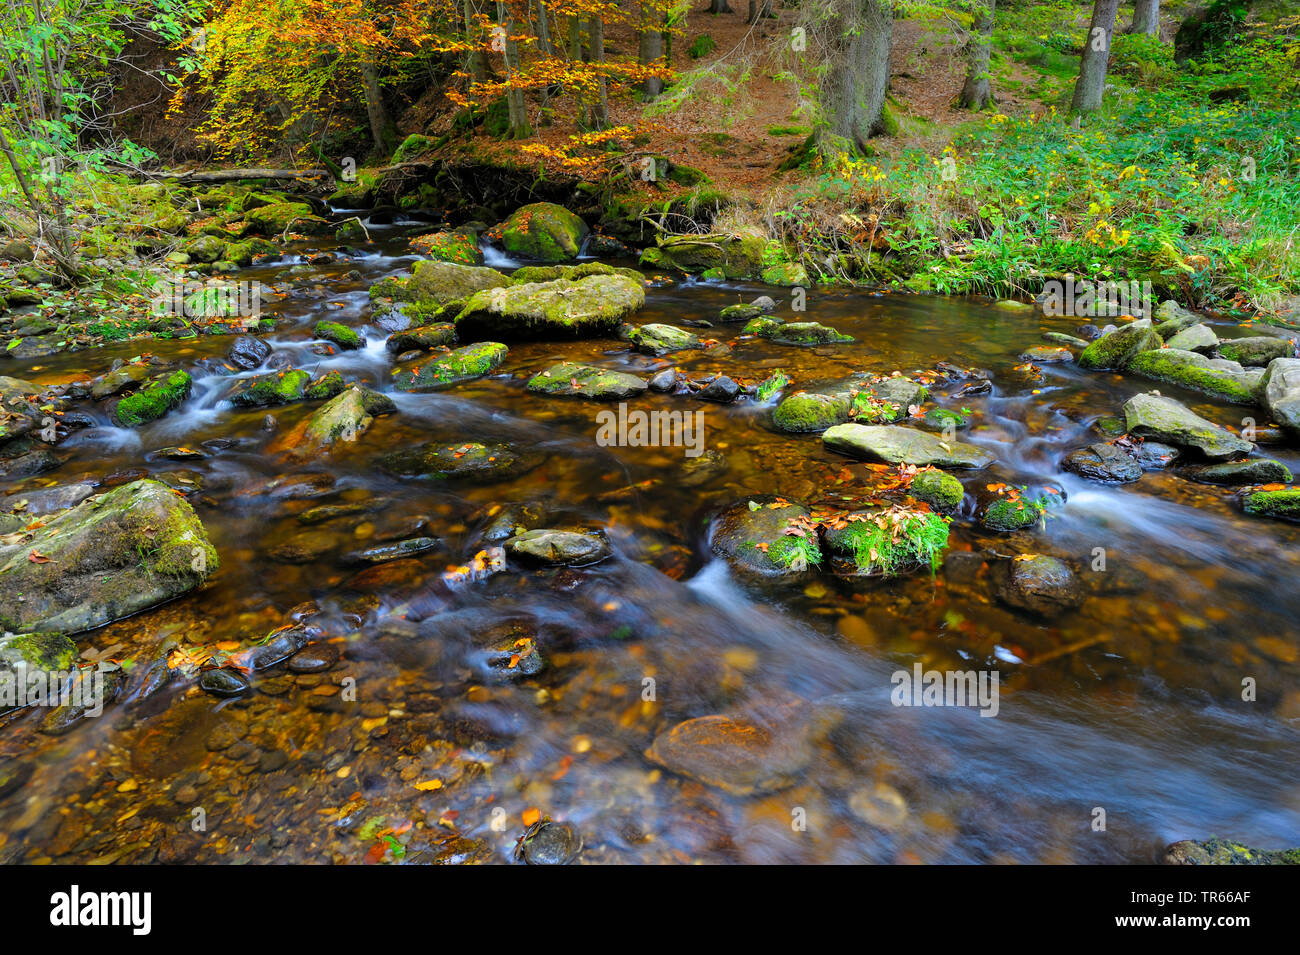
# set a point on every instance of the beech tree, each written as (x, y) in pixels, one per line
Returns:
(1096, 56)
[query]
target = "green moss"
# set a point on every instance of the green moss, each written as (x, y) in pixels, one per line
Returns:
(808, 411)
(274, 389)
(463, 364)
(544, 231)
(891, 541)
(790, 550)
(771, 385)
(154, 400)
(940, 490)
(42, 651)
(449, 247)
(346, 338)
(411, 147)
(1012, 515)
(939, 419)
(702, 45)
(1161, 365)
(549, 273)
(326, 386)
(1282, 504)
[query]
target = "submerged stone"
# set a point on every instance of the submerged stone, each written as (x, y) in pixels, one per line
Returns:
(572, 380)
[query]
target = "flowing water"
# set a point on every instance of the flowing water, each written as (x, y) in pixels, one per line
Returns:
(1131, 704)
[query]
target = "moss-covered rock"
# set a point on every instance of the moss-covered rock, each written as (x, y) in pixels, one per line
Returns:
(1255, 352)
(808, 411)
(204, 248)
(458, 247)
(1226, 852)
(544, 231)
(346, 338)
(894, 444)
(471, 461)
(940, 490)
(1166, 420)
(549, 273)
(1006, 514)
(463, 364)
(589, 307)
(795, 333)
(411, 147)
(36, 651)
(111, 556)
(1115, 350)
(423, 338)
(661, 339)
(342, 419)
(277, 388)
(326, 386)
(1240, 473)
(572, 380)
(888, 542)
(433, 285)
(243, 252)
(751, 535)
(159, 396)
(1283, 504)
(272, 220)
(1216, 377)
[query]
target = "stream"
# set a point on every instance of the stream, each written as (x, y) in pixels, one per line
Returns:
(1130, 703)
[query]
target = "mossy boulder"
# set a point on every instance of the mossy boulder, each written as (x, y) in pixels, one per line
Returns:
(1226, 852)
(1282, 504)
(660, 339)
(544, 231)
(1241, 473)
(572, 380)
(887, 542)
(1255, 352)
(787, 274)
(1115, 350)
(1216, 377)
(1198, 338)
(326, 386)
(272, 220)
(423, 338)
(25, 652)
(463, 364)
(1171, 318)
(751, 535)
(550, 273)
(158, 396)
(734, 256)
(276, 388)
(1168, 421)
(411, 147)
(341, 420)
(204, 248)
(588, 307)
(894, 444)
(808, 411)
(243, 252)
(939, 489)
(457, 247)
(346, 338)
(795, 333)
(434, 284)
(109, 557)
(1008, 514)
(472, 462)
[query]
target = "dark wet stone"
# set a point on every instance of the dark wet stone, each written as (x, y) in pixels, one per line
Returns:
(751, 534)
(68, 716)
(1154, 456)
(314, 657)
(469, 462)
(1105, 463)
(14, 774)
(721, 389)
(664, 381)
(386, 552)
(548, 546)
(223, 682)
(513, 657)
(701, 469)
(303, 547)
(1039, 583)
(25, 465)
(511, 520)
(279, 648)
(1089, 332)
(47, 500)
(248, 352)
(549, 843)
(1250, 471)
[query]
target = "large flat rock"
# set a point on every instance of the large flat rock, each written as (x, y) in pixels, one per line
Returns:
(895, 444)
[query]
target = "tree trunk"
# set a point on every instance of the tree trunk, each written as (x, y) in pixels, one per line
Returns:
(719, 6)
(976, 94)
(1096, 56)
(852, 93)
(381, 129)
(600, 108)
(759, 9)
(651, 47)
(548, 50)
(477, 62)
(1146, 18)
(515, 105)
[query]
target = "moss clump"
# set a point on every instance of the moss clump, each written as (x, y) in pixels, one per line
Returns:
(807, 412)
(346, 338)
(795, 552)
(941, 419)
(40, 651)
(276, 218)
(277, 389)
(159, 396)
(562, 309)
(771, 385)
(549, 273)
(702, 45)
(463, 364)
(940, 490)
(1283, 504)
(891, 541)
(795, 333)
(411, 147)
(243, 253)
(572, 380)
(740, 313)
(1012, 515)
(1118, 348)
(455, 247)
(326, 386)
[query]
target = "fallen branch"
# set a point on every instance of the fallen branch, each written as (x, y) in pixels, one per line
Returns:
(235, 175)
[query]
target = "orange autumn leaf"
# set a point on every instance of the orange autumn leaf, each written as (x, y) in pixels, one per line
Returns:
(531, 816)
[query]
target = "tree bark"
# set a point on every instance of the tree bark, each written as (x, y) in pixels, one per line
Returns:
(1146, 18)
(515, 105)
(477, 62)
(719, 6)
(600, 108)
(548, 50)
(651, 47)
(1096, 56)
(853, 90)
(759, 9)
(976, 93)
(380, 126)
